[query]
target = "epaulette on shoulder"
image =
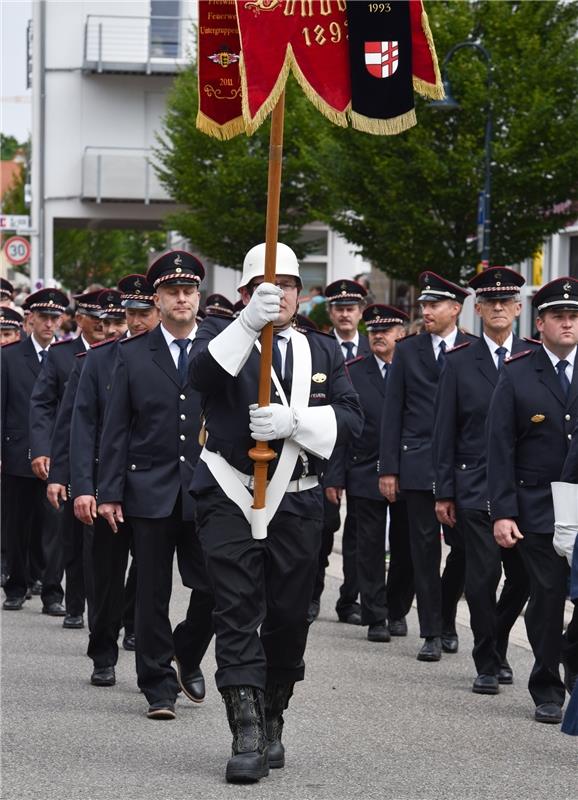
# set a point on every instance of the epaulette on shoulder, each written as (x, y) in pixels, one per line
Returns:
(131, 338)
(81, 354)
(532, 341)
(61, 342)
(315, 332)
(104, 342)
(354, 360)
(405, 338)
(458, 347)
(518, 356)
(10, 344)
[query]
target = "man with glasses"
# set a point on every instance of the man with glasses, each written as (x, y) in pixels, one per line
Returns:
(465, 390)
(263, 585)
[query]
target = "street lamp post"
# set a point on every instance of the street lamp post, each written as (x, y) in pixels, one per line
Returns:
(450, 104)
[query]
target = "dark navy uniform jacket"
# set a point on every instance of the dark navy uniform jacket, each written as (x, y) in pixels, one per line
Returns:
(92, 396)
(226, 403)
(60, 456)
(408, 417)
(530, 428)
(149, 442)
(355, 466)
(48, 392)
(20, 368)
(465, 390)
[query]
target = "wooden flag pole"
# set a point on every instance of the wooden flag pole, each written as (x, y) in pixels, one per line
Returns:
(261, 454)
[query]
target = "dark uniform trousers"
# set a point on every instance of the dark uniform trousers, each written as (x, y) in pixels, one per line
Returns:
(491, 622)
(381, 600)
(265, 583)
(155, 543)
(331, 524)
(349, 589)
(26, 507)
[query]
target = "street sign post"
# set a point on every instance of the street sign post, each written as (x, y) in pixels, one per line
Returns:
(14, 222)
(17, 250)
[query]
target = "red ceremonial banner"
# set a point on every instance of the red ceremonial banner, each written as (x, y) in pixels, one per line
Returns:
(426, 74)
(308, 37)
(220, 109)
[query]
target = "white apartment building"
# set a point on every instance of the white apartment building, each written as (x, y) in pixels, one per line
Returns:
(101, 72)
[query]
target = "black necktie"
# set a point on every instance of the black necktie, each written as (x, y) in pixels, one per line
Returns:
(42, 354)
(183, 364)
(442, 353)
(501, 353)
(348, 349)
(562, 377)
(385, 371)
(277, 360)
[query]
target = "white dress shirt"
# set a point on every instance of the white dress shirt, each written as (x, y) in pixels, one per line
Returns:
(354, 342)
(282, 342)
(39, 348)
(493, 347)
(174, 349)
(450, 341)
(381, 364)
(570, 358)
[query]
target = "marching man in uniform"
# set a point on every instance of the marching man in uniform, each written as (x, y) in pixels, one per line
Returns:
(265, 583)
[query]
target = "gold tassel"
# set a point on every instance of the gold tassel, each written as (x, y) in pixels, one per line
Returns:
(435, 91)
(381, 127)
(227, 131)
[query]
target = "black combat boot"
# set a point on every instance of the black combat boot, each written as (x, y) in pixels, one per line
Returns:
(246, 715)
(277, 696)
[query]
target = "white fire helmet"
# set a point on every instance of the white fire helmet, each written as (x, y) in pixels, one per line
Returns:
(254, 263)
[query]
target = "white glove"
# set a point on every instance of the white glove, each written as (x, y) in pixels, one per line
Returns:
(271, 422)
(264, 307)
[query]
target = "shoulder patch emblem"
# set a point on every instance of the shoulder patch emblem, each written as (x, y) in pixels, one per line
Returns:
(319, 377)
(537, 418)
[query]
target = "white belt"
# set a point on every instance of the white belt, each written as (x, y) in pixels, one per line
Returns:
(299, 485)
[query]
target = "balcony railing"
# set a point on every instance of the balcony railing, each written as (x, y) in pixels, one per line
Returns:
(143, 45)
(121, 174)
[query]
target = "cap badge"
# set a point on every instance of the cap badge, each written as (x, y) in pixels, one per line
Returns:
(178, 261)
(376, 312)
(319, 377)
(498, 277)
(137, 285)
(567, 286)
(343, 288)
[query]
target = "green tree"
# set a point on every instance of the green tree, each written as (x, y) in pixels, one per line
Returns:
(9, 146)
(224, 184)
(82, 257)
(409, 202)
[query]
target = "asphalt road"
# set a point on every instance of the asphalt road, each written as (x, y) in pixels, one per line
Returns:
(369, 721)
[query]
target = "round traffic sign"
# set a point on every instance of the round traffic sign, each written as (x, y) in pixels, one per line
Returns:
(17, 250)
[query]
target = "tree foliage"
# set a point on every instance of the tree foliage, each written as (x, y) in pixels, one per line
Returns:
(409, 202)
(9, 146)
(82, 257)
(224, 184)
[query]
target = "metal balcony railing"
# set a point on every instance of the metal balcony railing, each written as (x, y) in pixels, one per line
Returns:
(144, 45)
(120, 174)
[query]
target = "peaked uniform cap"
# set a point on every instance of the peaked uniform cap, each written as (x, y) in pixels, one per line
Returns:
(497, 283)
(218, 304)
(136, 291)
(175, 268)
(9, 318)
(110, 302)
(6, 288)
(345, 292)
(560, 294)
(435, 288)
(47, 301)
(379, 317)
(88, 303)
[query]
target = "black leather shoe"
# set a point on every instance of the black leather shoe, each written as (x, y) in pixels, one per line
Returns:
(450, 642)
(191, 682)
(54, 610)
(506, 674)
(103, 676)
(378, 633)
(71, 621)
(36, 588)
(398, 627)
(431, 649)
(350, 618)
(129, 641)
(162, 709)
(13, 603)
(548, 712)
(313, 611)
(486, 684)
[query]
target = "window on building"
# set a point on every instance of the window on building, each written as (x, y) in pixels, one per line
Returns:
(313, 273)
(165, 28)
(574, 256)
(316, 239)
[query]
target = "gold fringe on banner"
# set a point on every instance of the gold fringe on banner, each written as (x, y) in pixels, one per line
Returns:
(227, 131)
(332, 114)
(383, 127)
(426, 89)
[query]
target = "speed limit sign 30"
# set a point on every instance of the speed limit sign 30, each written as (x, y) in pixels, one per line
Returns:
(17, 250)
